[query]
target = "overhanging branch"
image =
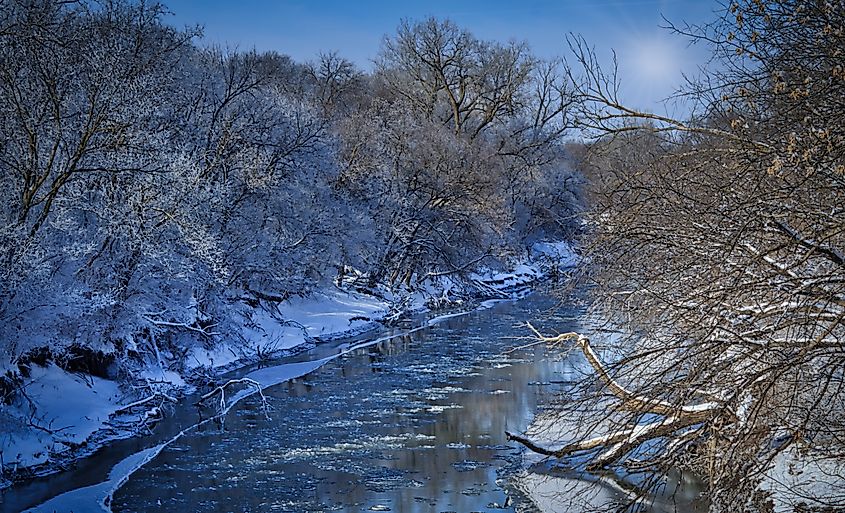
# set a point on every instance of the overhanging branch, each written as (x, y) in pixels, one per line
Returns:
(620, 442)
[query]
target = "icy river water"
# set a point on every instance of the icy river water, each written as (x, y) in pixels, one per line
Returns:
(414, 423)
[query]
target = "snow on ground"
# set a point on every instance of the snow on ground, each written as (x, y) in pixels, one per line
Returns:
(545, 258)
(523, 275)
(75, 407)
(70, 408)
(800, 481)
(323, 315)
(98, 496)
(331, 312)
(157, 374)
(560, 254)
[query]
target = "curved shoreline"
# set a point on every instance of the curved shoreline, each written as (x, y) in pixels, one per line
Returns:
(509, 286)
(99, 495)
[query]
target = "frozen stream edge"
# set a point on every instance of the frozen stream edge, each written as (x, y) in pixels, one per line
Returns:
(98, 496)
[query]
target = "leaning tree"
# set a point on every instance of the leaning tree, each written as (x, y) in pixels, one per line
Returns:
(717, 254)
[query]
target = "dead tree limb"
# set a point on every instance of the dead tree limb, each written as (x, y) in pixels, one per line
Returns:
(620, 442)
(222, 391)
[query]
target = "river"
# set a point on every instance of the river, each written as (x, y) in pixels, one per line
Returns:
(413, 423)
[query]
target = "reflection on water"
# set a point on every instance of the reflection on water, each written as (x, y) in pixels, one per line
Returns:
(412, 424)
(551, 488)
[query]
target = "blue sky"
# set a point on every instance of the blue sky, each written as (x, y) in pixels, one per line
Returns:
(651, 59)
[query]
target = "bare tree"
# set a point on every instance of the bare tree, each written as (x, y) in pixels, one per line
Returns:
(716, 247)
(80, 86)
(336, 82)
(72, 82)
(450, 76)
(463, 138)
(147, 183)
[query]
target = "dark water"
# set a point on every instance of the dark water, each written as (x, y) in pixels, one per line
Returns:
(412, 424)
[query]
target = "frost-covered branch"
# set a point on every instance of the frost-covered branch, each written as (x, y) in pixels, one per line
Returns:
(204, 331)
(221, 390)
(620, 442)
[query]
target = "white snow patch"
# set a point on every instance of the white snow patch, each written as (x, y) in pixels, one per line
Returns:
(219, 356)
(71, 407)
(797, 478)
(75, 409)
(543, 259)
(333, 311)
(157, 374)
(560, 253)
(84, 499)
(326, 314)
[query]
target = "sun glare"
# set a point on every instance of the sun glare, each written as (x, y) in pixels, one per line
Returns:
(655, 59)
(651, 66)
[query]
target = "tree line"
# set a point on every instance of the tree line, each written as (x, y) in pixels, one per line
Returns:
(154, 189)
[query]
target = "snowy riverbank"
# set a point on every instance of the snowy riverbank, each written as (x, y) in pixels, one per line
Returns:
(65, 416)
(61, 413)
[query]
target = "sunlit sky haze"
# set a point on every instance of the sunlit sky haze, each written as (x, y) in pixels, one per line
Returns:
(651, 59)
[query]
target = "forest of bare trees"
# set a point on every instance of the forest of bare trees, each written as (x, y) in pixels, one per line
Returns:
(155, 190)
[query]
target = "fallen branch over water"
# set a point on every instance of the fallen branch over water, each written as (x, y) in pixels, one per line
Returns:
(222, 391)
(618, 443)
